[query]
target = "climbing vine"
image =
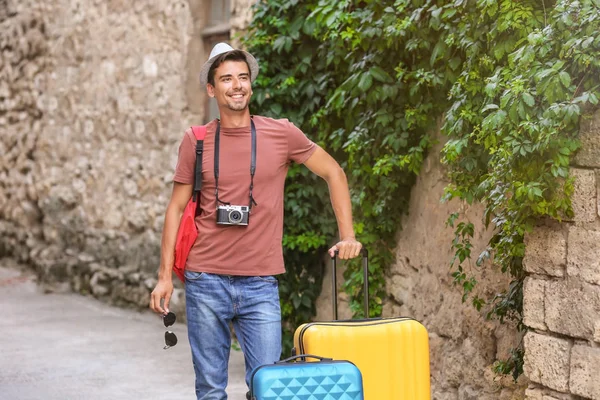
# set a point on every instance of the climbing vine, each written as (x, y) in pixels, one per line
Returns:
(514, 123)
(369, 80)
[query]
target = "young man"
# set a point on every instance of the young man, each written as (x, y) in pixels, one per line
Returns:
(230, 271)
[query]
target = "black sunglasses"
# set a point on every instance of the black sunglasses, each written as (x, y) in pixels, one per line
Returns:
(170, 338)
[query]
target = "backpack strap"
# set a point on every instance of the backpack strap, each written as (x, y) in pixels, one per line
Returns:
(200, 133)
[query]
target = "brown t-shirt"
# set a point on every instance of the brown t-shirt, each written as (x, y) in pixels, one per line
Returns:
(255, 249)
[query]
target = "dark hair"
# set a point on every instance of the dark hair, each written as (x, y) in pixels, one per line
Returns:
(235, 55)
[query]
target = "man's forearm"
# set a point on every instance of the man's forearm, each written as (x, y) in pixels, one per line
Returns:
(169, 236)
(342, 206)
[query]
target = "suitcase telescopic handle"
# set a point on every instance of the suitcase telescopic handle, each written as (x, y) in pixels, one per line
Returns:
(365, 261)
(303, 357)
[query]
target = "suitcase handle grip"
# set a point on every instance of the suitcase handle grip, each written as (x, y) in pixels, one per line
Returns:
(365, 260)
(363, 252)
(303, 357)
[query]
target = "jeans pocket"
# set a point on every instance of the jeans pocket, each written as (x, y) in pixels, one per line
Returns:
(193, 275)
(268, 278)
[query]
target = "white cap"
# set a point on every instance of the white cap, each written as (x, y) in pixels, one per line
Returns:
(219, 49)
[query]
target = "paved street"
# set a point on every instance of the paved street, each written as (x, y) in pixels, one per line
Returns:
(68, 347)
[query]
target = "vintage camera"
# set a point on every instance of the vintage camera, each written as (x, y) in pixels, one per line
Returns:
(233, 215)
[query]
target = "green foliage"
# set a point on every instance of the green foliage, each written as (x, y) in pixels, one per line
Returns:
(307, 76)
(368, 81)
(513, 365)
(513, 125)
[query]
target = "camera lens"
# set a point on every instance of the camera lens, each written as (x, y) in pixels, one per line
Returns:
(235, 216)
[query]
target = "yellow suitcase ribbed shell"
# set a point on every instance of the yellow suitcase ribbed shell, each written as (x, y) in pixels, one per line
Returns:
(391, 353)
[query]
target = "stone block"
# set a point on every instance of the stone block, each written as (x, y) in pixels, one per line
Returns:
(542, 394)
(546, 251)
(584, 197)
(547, 361)
(585, 374)
(572, 307)
(589, 134)
(533, 303)
(583, 258)
(534, 394)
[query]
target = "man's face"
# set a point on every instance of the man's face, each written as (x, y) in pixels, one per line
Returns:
(232, 87)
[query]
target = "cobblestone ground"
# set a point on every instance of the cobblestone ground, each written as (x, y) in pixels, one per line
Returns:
(69, 347)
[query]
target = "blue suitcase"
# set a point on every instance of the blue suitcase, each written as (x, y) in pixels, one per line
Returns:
(325, 379)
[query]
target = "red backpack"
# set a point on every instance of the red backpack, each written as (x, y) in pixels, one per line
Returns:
(187, 233)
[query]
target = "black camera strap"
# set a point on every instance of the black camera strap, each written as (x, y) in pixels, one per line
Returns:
(199, 134)
(252, 162)
(197, 188)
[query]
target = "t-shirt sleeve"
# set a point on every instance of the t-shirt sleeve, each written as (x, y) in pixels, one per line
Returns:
(300, 147)
(184, 171)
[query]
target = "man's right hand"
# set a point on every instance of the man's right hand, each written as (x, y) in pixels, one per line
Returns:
(163, 290)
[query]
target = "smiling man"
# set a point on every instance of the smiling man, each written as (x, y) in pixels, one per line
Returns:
(231, 271)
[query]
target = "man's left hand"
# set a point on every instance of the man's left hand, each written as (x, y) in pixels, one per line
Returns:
(347, 248)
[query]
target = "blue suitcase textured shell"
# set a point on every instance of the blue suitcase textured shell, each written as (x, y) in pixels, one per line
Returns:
(325, 380)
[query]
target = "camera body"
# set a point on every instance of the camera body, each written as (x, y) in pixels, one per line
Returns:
(233, 215)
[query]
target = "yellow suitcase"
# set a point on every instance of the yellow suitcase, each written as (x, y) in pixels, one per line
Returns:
(391, 353)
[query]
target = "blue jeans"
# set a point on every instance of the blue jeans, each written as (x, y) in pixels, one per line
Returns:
(251, 303)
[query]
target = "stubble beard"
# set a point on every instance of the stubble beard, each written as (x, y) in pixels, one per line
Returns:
(237, 107)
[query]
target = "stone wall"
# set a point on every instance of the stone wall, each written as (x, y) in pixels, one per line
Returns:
(94, 98)
(93, 108)
(562, 289)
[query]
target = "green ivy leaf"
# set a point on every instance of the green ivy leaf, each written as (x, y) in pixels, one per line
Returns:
(366, 80)
(528, 99)
(565, 79)
(489, 107)
(380, 74)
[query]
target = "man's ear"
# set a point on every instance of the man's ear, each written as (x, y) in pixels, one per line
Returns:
(210, 89)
